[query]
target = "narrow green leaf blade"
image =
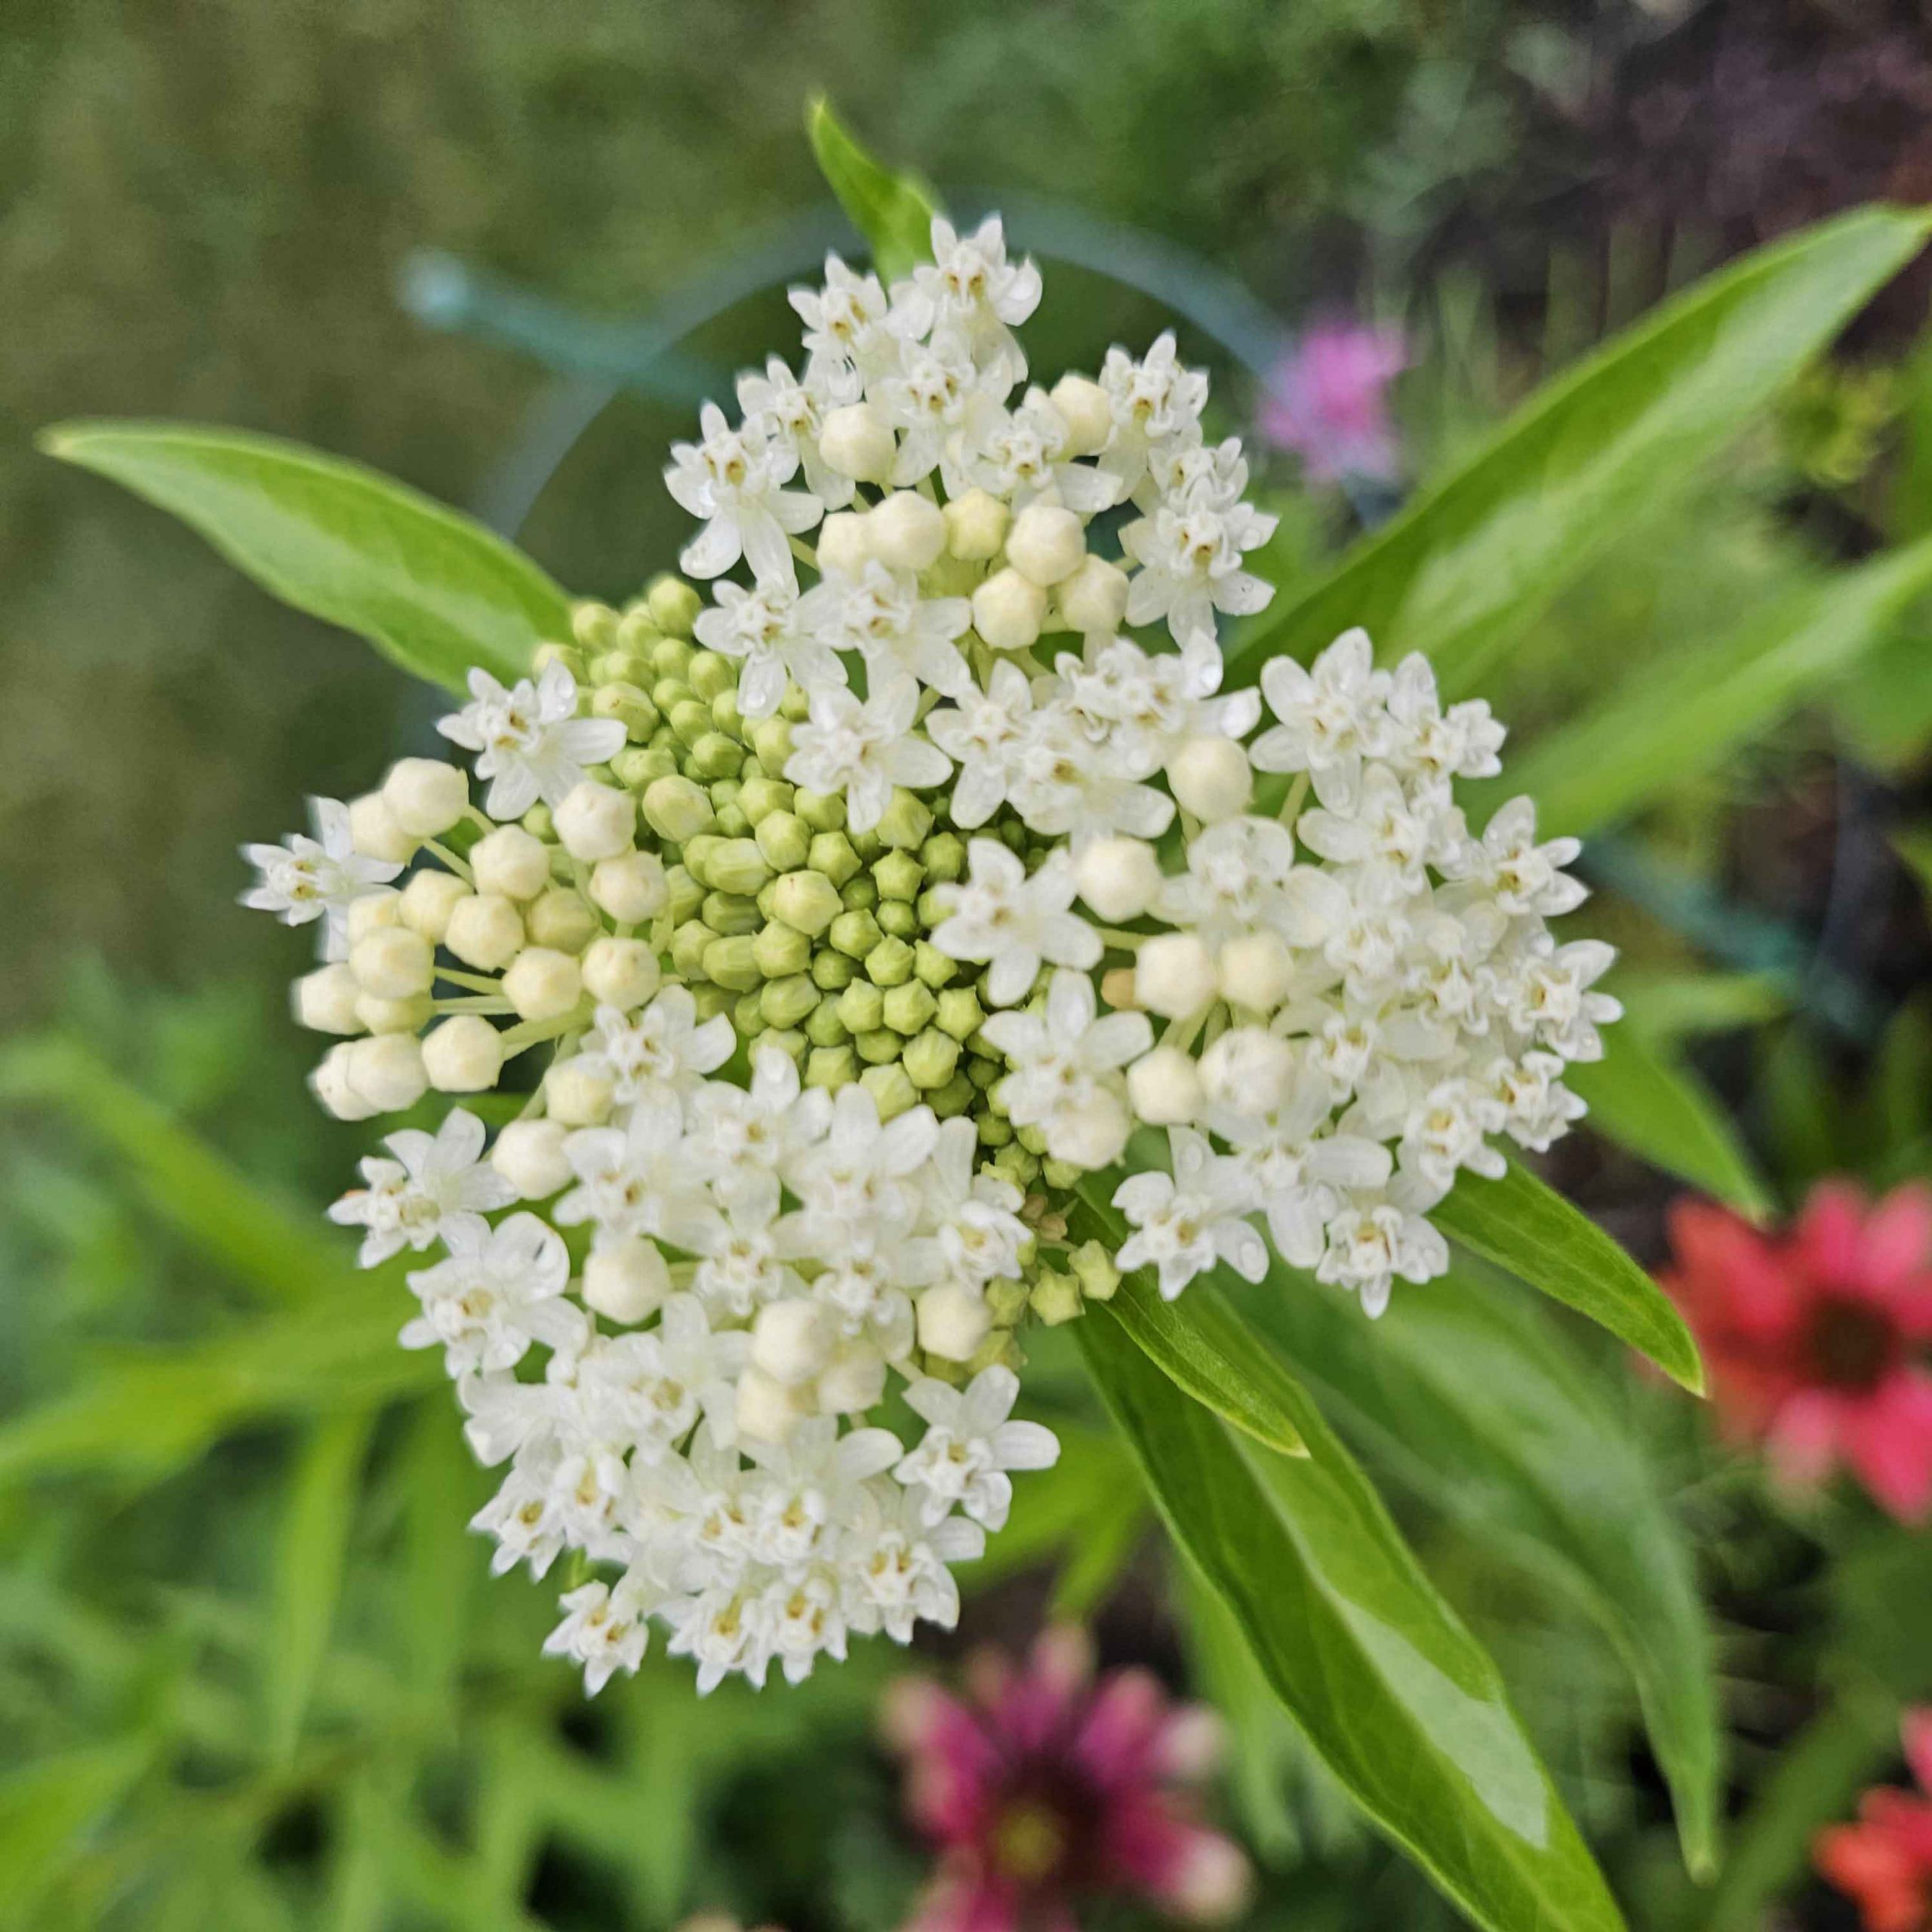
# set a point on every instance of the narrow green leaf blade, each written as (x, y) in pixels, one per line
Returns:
(1528, 1229)
(894, 211)
(1399, 1701)
(1650, 737)
(429, 588)
(1475, 1403)
(1487, 547)
(46, 1806)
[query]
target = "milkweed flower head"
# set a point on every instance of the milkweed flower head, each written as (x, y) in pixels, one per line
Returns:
(1883, 1862)
(1817, 1338)
(847, 912)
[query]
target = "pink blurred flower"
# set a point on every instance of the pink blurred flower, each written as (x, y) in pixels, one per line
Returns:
(1327, 401)
(1044, 1787)
(1884, 1861)
(1815, 1338)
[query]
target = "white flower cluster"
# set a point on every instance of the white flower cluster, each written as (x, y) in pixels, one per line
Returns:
(861, 912)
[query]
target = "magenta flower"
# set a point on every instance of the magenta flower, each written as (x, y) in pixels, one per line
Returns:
(1045, 1788)
(1327, 400)
(1884, 1861)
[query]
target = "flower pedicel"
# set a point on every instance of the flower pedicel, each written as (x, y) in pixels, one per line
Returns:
(860, 912)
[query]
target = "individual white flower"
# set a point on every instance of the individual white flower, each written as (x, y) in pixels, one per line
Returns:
(652, 1389)
(742, 1137)
(862, 1291)
(1383, 830)
(762, 628)
(865, 749)
(1001, 914)
(740, 1268)
(605, 1630)
(733, 480)
(1184, 472)
(969, 1445)
(1447, 1129)
(791, 412)
(987, 734)
(1155, 403)
(413, 1200)
(880, 614)
(1190, 567)
(1548, 997)
(638, 1180)
(1298, 1173)
(848, 322)
(798, 1618)
(926, 397)
(970, 287)
(501, 1289)
(1433, 746)
(529, 741)
(659, 1053)
(1144, 708)
(897, 1567)
(304, 879)
(857, 1186)
(1331, 716)
(528, 1526)
(1537, 1109)
(1523, 877)
(970, 1222)
(812, 1485)
(1241, 877)
(1376, 1238)
(1065, 1063)
(1023, 456)
(1186, 1222)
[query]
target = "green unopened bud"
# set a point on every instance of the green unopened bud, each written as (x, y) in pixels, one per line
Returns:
(825, 1028)
(981, 1069)
(889, 963)
(710, 674)
(730, 962)
(763, 795)
(674, 604)
(994, 1132)
(1033, 1139)
(934, 906)
(831, 853)
(898, 875)
(667, 693)
(880, 1048)
(823, 811)
(637, 767)
(1006, 1301)
(677, 809)
(898, 918)
(629, 706)
(732, 823)
(938, 1369)
(624, 667)
(683, 894)
(561, 920)
(726, 717)
(731, 914)
(767, 900)
(748, 1019)
(929, 1061)
(697, 854)
(831, 1067)
(868, 845)
(1059, 1175)
(808, 901)
(958, 1012)
(1001, 1350)
(782, 839)
(832, 972)
(781, 950)
(789, 1041)
(1093, 1268)
(907, 1009)
(716, 756)
(890, 1087)
(593, 625)
(944, 856)
(795, 705)
(689, 944)
(567, 655)
(907, 821)
(1015, 1164)
(691, 718)
(735, 865)
(855, 934)
(788, 1002)
(771, 739)
(930, 967)
(1055, 1298)
(637, 629)
(539, 823)
(954, 1098)
(862, 1008)
(860, 892)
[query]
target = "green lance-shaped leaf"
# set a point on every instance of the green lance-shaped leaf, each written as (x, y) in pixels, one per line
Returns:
(1487, 547)
(1664, 727)
(1527, 1228)
(430, 589)
(894, 211)
(1402, 1704)
(46, 1807)
(1645, 1099)
(1474, 1402)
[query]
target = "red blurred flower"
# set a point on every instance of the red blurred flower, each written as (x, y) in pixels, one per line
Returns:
(1815, 1338)
(1884, 1861)
(1327, 401)
(1046, 1787)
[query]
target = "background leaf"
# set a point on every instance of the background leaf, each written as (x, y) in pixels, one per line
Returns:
(429, 588)
(893, 211)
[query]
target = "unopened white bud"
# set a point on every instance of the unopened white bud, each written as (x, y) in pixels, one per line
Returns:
(324, 1000)
(1094, 599)
(857, 441)
(845, 542)
(1091, 1132)
(1257, 971)
(1008, 610)
(954, 1319)
(542, 984)
(852, 1382)
(625, 1281)
(976, 526)
(578, 1095)
(1117, 877)
(907, 531)
(529, 1156)
(1046, 543)
(1211, 777)
(1088, 415)
(393, 963)
(374, 833)
(1249, 1071)
(623, 972)
(464, 1055)
(378, 1015)
(370, 912)
(485, 930)
(387, 1071)
(596, 821)
(1173, 975)
(560, 918)
(425, 796)
(330, 1084)
(427, 900)
(1164, 1087)
(511, 862)
(767, 1411)
(791, 1340)
(631, 887)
